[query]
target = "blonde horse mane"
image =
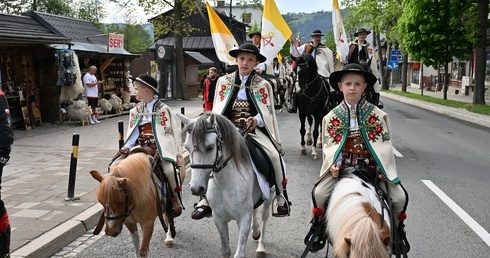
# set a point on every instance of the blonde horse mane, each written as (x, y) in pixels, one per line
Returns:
(355, 227)
(137, 170)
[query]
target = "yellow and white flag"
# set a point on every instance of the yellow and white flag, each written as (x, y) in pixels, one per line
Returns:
(342, 45)
(275, 31)
(223, 40)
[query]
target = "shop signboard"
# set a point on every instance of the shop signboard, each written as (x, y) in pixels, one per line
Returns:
(116, 41)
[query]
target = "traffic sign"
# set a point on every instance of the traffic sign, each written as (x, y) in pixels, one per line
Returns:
(396, 55)
(392, 65)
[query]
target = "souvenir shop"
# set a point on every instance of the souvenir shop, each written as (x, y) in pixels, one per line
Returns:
(25, 72)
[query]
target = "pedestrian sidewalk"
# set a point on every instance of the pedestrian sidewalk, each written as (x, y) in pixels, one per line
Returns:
(35, 181)
(439, 94)
(458, 113)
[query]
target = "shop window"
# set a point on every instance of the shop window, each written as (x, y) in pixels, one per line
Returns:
(247, 17)
(458, 70)
(415, 76)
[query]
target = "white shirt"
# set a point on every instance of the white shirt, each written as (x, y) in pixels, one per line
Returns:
(242, 95)
(131, 142)
(90, 91)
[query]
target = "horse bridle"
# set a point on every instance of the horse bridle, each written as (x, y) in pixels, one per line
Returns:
(216, 167)
(127, 211)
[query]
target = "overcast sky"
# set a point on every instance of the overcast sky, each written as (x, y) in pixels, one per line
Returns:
(115, 14)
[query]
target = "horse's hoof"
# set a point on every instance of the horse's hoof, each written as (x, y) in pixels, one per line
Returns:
(315, 157)
(309, 143)
(261, 254)
(168, 244)
(256, 237)
(302, 152)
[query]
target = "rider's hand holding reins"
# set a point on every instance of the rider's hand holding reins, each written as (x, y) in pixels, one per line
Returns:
(334, 170)
(124, 151)
(252, 122)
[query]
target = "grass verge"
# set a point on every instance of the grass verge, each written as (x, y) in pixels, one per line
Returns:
(480, 109)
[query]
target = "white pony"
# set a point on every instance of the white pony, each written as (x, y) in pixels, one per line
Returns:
(222, 169)
(357, 226)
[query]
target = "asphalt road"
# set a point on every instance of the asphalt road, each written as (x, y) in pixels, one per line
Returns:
(438, 153)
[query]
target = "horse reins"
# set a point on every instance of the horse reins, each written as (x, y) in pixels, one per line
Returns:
(126, 214)
(216, 167)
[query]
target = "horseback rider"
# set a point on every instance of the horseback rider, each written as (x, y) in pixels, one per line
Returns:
(247, 100)
(356, 133)
(256, 40)
(320, 52)
(361, 52)
(152, 126)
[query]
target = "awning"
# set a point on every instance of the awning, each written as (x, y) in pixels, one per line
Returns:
(96, 49)
(199, 57)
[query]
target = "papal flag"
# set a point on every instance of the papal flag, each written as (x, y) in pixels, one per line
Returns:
(223, 40)
(342, 45)
(275, 31)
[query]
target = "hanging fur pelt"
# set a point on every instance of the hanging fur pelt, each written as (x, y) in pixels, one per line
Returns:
(72, 92)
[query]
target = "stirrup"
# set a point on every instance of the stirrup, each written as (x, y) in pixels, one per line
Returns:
(286, 204)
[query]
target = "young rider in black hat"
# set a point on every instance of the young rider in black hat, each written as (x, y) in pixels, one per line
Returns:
(153, 127)
(354, 130)
(247, 100)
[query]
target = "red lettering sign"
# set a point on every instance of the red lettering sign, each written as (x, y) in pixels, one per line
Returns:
(116, 41)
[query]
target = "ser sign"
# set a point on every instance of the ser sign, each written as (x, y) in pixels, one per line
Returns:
(116, 40)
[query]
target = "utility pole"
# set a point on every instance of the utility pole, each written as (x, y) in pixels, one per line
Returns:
(34, 5)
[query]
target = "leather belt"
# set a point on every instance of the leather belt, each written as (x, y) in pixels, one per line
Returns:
(146, 139)
(240, 112)
(354, 144)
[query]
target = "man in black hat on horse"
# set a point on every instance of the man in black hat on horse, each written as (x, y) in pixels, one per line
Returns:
(323, 56)
(361, 52)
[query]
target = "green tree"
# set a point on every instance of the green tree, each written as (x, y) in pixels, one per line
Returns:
(15, 6)
(330, 40)
(90, 10)
(382, 17)
(436, 31)
(481, 53)
(174, 23)
(136, 38)
(58, 7)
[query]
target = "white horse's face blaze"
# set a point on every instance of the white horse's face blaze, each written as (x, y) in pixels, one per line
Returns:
(201, 155)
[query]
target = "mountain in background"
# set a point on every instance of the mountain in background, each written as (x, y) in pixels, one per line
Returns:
(306, 23)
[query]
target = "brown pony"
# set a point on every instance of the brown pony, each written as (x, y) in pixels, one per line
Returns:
(357, 228)
(129, 196)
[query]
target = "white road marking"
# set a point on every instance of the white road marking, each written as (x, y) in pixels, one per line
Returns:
(479, 230)
(397, 153)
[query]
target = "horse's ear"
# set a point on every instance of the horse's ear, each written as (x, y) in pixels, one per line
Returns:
(183, 118)
(121, 182)
(96, 175)
(348, 240)
(211, 120)
(386, 239)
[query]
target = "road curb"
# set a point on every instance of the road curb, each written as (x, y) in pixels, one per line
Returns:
(458, 113)
(60, 236)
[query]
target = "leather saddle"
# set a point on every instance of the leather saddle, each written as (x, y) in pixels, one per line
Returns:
(261, 160)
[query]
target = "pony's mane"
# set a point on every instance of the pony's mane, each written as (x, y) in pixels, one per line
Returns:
(136, 169)
(233, 141)
(355, 218)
